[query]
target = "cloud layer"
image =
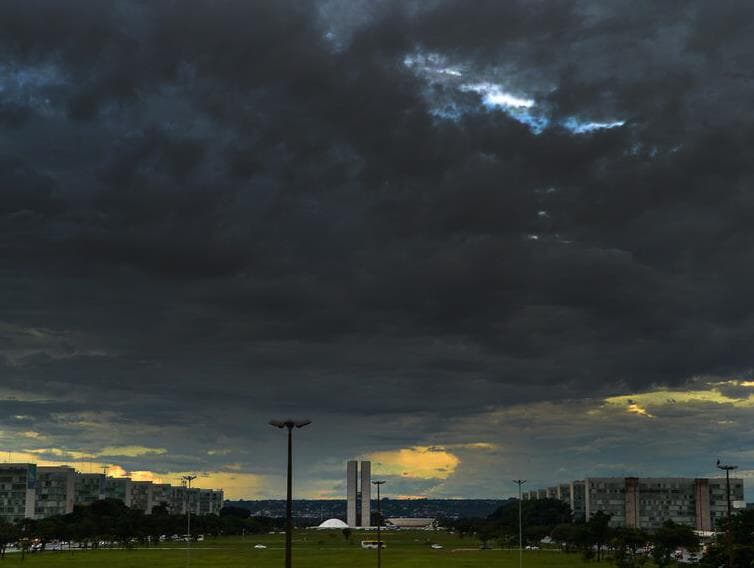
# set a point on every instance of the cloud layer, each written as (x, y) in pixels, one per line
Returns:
(423, 225)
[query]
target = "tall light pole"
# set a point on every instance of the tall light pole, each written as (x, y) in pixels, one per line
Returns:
(727, 469)
(188, 479)
(379, 523)
(520, 482)
(290, 424)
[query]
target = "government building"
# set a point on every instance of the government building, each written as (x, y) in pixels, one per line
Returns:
(647, 502)
(28, 491)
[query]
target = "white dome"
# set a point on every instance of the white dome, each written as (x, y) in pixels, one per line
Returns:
(333, 524)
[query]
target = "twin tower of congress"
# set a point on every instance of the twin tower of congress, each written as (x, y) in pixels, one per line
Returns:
(358, 516)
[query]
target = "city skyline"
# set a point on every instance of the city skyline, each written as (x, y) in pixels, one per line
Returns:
(472, 246)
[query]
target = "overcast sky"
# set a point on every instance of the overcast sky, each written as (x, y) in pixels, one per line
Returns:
(473, 241)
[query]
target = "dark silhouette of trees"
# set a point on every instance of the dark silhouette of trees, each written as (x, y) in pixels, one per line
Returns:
(8, 535)
(736, 545)
(667, 539)
(629, 545)
(598, 528)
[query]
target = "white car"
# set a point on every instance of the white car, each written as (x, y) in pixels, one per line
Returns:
(260, 546)
(437, 546)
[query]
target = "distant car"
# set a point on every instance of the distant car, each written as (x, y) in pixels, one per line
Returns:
(372, 544)
(530, 547)
(437, 546)
(260, 546)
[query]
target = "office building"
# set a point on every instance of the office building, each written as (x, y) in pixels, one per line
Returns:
(354, 496)
(352, 483)
(647, 503)
(162, 495)
(90, 487)
(210, 502)
(55, 491)
(28, 491)
(118, 488)
(17, 491)
(178, 500)
(366, 494)
(142, 496)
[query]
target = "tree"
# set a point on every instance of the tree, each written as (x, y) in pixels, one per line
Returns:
(347, 532)
(736, 546)
(570, 536)
(8, 535)
(598, 528)
(537, 513)
(627, 544)
(232, 511)
(488, 531)
(670, 537)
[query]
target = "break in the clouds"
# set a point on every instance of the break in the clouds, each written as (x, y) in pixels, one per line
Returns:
(470, 242)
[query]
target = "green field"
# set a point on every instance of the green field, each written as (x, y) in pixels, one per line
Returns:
(320, 549)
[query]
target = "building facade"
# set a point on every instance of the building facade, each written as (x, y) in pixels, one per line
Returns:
(648, 502)
(55, 491)
(354, 497)
(90, 487)
(352, 483)
(366, 494)
(118, 488)
(17, 491)
(31, 492)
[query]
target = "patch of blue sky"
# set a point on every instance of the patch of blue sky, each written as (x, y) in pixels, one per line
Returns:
(584, 127)
(519, 107)
(537, 123)
(494, 96)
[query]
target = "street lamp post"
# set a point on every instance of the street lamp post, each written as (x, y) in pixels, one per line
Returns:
(520, 482)
(188, 479)
(290, 424)
(727, 469)
(379, 523)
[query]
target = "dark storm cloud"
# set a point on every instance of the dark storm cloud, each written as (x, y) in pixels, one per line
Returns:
(259, 202)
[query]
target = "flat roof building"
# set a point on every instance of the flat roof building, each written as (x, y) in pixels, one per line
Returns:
(18, 483)
(55, 491)
(650, 501)
(90, 487)
(28, 492)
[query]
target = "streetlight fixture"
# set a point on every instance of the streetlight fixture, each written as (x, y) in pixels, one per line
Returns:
(520, 482)
(188, 479)
(379, 523)
(290, 424)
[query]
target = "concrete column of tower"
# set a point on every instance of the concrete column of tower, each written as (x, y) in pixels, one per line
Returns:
(366, 493)
(351, 489)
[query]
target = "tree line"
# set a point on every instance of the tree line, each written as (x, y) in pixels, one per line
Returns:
(551, 520)
(111, 521)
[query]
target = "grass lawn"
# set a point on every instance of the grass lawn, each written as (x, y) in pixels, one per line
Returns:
(312, 549)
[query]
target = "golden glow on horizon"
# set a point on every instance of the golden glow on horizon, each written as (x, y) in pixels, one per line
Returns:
(418, 462)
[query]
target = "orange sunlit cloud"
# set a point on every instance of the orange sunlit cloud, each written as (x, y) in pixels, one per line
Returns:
(418, 462)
